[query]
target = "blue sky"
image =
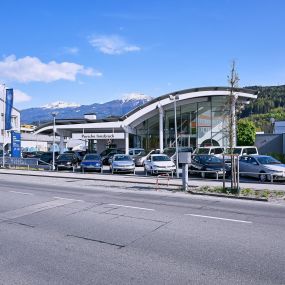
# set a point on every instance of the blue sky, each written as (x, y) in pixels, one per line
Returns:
(89, 51)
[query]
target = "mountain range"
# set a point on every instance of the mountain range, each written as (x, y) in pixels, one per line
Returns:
(65, 110)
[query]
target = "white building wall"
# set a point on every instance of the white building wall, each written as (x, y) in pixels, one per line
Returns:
(41, 146)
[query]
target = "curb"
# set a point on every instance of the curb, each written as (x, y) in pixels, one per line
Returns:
(227, 196)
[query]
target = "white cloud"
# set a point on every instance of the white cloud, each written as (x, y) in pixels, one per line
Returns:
(20, 96)
(112, 44)
(29, 69)
(71, 50)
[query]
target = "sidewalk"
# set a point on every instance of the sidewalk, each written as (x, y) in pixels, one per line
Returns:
(173, 183)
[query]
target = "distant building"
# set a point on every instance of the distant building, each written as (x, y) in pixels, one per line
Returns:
(279, 127)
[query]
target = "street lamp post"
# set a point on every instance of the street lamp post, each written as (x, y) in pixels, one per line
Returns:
(3, 126)
(53, 152)
(174, 98)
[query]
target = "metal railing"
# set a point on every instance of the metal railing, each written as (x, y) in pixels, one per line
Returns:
(28, 163)
(218, 173)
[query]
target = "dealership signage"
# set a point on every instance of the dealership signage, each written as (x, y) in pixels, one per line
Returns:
(15, 144)
(98, 136)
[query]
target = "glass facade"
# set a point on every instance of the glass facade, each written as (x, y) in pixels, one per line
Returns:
(198, 124)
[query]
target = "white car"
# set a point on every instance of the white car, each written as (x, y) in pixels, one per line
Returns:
(159, 163)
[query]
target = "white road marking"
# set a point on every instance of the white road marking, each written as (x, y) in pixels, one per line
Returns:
(217, 218)
(75, 200)
(13, 214)
(23, 193)
(132, 207)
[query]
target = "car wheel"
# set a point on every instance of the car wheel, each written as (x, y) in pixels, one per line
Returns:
(263, 177)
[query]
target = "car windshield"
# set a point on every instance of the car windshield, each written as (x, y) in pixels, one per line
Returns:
(122, 158)
(236, 150)
(91, 157)
(65, 156)
(169, 151)
(202, 151)
(160, 158)
(210, 159)
(140, 152)
(268, 160)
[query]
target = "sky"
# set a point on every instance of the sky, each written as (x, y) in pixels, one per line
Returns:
(94, 51)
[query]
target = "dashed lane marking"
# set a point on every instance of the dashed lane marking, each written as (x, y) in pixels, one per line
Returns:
(218, 218)
(23, 193)
(131, 207)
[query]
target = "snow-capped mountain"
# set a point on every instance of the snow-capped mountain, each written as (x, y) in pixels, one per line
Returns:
(135, 97)
(60, 105)
(74, 111)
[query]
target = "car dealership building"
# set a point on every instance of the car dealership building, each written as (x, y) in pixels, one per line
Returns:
(202, 117)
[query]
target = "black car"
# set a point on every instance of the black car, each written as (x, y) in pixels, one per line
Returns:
(66, 161)
(208, 165)
(46, 157)
(32, 154)
(79, 154)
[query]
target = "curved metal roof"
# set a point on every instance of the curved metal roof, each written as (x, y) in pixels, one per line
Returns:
(190, 90)
(131, 116)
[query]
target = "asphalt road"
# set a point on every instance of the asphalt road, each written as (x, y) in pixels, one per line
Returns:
(68, 231)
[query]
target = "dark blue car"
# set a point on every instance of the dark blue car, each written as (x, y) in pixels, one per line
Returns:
(92, 162)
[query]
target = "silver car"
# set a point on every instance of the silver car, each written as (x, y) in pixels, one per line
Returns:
(122, 163)
(263, 167)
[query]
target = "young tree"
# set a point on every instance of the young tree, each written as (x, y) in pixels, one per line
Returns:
(245, 132)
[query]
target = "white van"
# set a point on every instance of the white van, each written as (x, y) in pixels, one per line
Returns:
(214, 150)
(244, 150)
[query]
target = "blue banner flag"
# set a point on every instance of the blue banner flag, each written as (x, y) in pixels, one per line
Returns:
(9, 106)
(15, 144)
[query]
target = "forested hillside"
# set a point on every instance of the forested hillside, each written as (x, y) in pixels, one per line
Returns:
(269, 104)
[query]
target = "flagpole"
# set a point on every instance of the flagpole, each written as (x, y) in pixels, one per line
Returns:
(3, 125)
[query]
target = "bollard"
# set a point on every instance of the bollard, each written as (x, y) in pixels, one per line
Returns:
(185, 176)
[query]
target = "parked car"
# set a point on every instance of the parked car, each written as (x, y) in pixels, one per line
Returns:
(239, 151)
(209, 165)
(32, 154)
(66, 161)
(262, 167)
(108, 157)
(46, 157)
(159, 163)
(91, 162)
(79, 154)
(244, 150)
(214, 150)
(122, 163)
(140, 159)
(135, 152)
